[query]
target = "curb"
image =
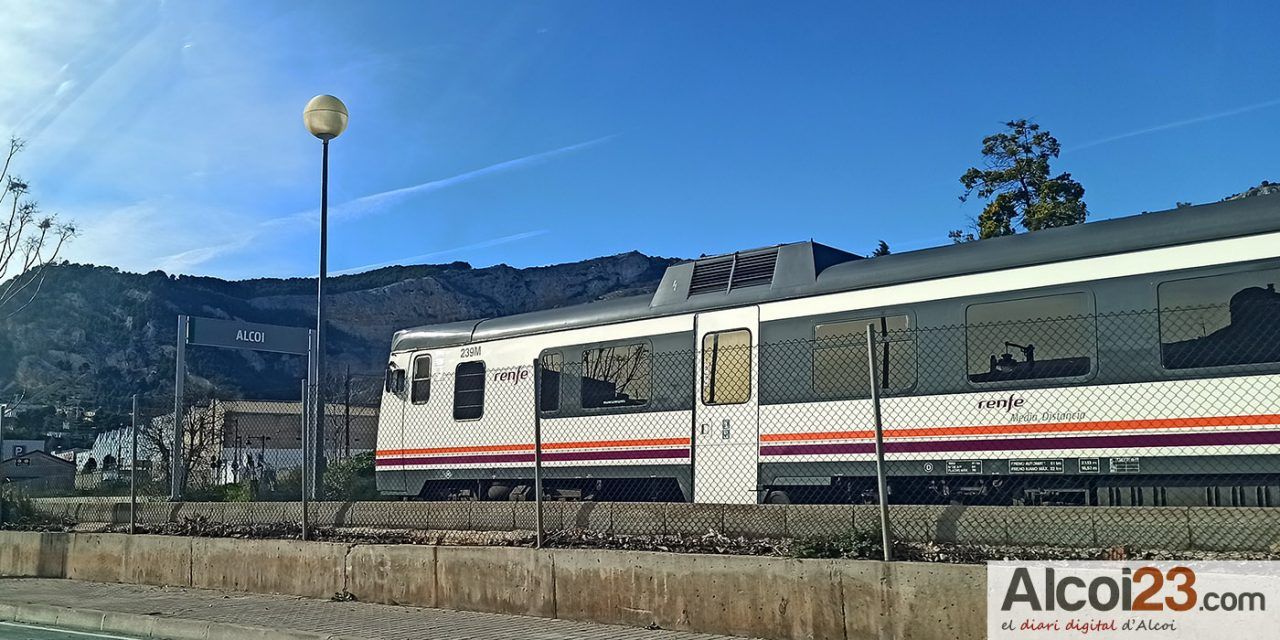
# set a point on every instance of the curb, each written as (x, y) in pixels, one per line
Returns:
(148, 626)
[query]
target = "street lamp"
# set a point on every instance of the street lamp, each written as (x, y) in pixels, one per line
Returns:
(326, 118)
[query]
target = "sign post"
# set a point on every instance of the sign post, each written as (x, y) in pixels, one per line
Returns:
(179, 384)
(231, 334)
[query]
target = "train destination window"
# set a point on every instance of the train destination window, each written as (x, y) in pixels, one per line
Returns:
(468, 390)
(1216, 321)
(616, 376)
(840, 356)
(549, 393)
(726, 367)
(421, 391)
(1031, 338)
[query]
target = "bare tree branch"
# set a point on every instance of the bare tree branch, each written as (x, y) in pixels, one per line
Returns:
(31, 240)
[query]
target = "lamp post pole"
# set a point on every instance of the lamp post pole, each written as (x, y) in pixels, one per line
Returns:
(317, 449)
(326, 118)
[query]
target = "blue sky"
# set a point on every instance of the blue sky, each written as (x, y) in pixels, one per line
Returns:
(540, 132)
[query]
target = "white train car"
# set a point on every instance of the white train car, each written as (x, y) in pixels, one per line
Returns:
(1145, 370)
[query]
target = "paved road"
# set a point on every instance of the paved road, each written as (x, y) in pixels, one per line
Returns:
(11, 631)
(216, 610)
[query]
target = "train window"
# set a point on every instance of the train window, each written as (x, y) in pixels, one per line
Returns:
(549, 392)
(468, 390)
(840, 357)
(1216, 321)
(617, 375)
(1031, 338)
(726, 367)
(421, 391)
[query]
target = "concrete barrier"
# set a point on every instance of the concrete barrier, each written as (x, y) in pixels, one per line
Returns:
(392, 574)
(1144, 527)
(764, 597)
(25, 554)
(738, 595)
(496, 579)
(1053, 526)
(924, 600)
(312, 569)
(1234, 528)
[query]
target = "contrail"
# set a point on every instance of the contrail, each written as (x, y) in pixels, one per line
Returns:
(492, 242)
(1174, 125)
(373, 203)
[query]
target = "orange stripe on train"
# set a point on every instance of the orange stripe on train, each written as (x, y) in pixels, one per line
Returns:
(1033, 428)
(599, 444)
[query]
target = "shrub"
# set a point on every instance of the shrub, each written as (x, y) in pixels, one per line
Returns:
(351, 479)
(16, 508)
(851, 544)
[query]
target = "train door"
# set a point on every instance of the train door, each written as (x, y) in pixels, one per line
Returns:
(726, 412)
(390, 474)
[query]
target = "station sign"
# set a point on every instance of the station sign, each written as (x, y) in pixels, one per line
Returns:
(234, 334)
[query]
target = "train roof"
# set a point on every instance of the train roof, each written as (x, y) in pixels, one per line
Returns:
(808, 268)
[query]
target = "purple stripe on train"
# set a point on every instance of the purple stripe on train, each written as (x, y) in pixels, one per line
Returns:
(1012, 444)
(563, 456)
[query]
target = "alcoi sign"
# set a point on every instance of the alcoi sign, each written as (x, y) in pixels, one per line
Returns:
(233, 334)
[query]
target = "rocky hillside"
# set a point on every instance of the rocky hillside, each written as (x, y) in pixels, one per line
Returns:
(1266, 188)
(95, 335)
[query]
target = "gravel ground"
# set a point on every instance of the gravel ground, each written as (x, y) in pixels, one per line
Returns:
(854, 546)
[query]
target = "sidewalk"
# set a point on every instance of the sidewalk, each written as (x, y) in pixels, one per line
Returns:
(181, 613)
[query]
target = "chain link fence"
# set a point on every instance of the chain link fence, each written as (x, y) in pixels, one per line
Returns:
(1026, 425)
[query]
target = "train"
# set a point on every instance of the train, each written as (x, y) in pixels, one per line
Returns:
(1129, 361)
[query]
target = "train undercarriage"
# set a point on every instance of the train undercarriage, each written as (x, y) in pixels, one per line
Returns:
(1249, 490)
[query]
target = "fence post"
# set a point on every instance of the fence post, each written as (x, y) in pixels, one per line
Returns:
(133, 468)
(537, 449)
(3, 409)
(882, 484)
(304, 411)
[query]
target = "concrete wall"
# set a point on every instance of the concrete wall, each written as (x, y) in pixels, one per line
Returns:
(773, 598)
(1170, 528)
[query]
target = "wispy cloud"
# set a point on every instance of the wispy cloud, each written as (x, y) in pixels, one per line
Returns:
(483, 244)
(379, 202)
(1176, 124)
(373, 204)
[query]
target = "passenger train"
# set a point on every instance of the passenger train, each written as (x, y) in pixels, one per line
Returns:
(1127, 361)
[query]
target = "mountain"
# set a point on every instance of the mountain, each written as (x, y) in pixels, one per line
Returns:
(1266, 188)
(95, 335)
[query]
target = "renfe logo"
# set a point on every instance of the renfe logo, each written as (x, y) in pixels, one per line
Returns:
(513, 376)
(1008, 404)
(250, 336)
